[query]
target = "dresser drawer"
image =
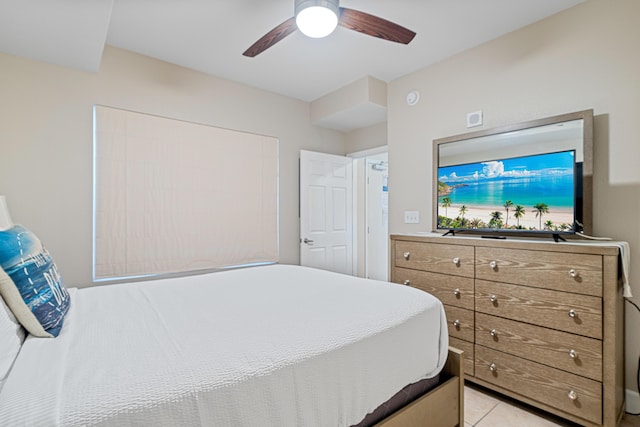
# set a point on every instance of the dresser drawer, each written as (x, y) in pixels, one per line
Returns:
(579, 273)
(578, 314)
(437, 258)
(572, 353)
(452, 290)
(570, 393)
(467, 347)
(460, 322)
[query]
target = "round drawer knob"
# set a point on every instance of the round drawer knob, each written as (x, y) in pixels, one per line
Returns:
(573, 273)
(493, 265)
(456, 291)
(456, 261)
(493, 333)
(493, 367)
(573, 314)
(573, 354)
(406, 282)
(572, 395)
(493, 298)
(406, 255)
(456, 323)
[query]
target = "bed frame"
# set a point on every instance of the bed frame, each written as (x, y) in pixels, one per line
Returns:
(441, 407)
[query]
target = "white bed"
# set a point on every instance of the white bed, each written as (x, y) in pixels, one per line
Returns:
(263, 346)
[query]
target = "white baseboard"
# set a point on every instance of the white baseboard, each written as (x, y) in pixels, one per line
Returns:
(633, 401)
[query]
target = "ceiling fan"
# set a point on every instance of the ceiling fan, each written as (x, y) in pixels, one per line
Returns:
(318, 18)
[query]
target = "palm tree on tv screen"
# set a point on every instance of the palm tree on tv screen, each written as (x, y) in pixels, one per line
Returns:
(508, 204)
(446, 202)
(519, 213)
(496, 219)
(540, 209)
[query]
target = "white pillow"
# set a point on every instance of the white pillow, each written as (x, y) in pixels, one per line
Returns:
(12, 335)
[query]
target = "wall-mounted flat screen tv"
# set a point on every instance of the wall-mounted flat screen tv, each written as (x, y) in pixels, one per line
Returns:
(530, 193)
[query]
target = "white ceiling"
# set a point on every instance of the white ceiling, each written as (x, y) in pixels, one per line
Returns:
(210, 36)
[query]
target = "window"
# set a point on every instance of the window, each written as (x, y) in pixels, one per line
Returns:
(173, 196)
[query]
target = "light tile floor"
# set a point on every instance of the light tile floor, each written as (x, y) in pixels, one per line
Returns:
(483, 408)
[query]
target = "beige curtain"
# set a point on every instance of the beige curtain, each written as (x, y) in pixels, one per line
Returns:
(173, 196)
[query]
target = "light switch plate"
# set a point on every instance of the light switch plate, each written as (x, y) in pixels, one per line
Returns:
(411, 217)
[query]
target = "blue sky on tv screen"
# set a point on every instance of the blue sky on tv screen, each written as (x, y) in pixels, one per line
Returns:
(547, 178)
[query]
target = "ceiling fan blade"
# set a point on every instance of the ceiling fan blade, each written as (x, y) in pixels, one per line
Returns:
(272, 37)
(374, 26)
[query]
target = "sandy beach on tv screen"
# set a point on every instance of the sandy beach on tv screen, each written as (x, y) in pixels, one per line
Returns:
(556, 215)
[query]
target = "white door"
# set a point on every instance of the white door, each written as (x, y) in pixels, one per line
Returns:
(326, 212)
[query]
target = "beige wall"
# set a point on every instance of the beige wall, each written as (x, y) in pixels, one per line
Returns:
(585, 57)
(46, 140)
(373, 136)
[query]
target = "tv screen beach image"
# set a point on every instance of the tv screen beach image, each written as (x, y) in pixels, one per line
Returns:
(535, 193)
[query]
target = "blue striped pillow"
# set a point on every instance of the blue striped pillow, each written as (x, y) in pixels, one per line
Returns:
(32, 286)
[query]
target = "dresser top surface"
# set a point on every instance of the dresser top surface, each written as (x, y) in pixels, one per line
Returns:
(574, 246)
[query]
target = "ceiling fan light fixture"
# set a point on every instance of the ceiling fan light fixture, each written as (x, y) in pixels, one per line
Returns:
(316, 18)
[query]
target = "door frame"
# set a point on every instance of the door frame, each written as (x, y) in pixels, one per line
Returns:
(359, 249)
(376, 234)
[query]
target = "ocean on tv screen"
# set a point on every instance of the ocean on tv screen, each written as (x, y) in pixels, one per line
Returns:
(529, 193)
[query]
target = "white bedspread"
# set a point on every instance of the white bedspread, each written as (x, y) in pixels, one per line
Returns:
(265, 346)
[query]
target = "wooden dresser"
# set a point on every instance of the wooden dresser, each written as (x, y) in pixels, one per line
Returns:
(539, 321)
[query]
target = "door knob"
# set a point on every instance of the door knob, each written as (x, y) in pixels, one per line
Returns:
(308, 241)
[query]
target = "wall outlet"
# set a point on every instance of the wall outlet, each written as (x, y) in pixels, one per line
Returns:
(411, 217)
